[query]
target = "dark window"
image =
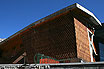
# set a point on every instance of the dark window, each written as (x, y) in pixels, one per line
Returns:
(101, 51)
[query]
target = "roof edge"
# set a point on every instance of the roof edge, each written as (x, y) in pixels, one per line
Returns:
(76, 5)
(93, 18)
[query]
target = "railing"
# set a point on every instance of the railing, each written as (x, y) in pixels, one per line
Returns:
(88, 65)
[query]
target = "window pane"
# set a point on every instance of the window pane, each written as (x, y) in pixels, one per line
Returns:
(101, 50)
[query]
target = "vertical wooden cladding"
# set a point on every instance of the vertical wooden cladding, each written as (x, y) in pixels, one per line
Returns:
(82, 41)
(54, 38)
(10, 49)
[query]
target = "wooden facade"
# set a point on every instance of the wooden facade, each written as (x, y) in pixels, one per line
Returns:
(62, 36)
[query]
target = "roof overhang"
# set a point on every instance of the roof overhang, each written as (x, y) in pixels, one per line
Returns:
(92, 17)
(76, 9)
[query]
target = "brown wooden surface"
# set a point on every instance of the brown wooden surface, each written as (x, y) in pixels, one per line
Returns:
(55, 38)
(82, 41)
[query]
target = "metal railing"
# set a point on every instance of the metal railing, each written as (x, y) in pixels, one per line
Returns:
(88, 65)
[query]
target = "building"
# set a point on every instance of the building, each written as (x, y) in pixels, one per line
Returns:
(62, 37)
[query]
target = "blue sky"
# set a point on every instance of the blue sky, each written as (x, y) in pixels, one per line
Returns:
(17, 14)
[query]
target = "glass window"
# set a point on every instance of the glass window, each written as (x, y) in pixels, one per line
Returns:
(101, 51)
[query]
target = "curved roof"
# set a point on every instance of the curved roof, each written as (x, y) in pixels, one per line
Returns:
(75, 8)
(93, 18)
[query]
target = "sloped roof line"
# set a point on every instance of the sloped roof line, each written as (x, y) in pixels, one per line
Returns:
(90, 13)
(76, 5)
